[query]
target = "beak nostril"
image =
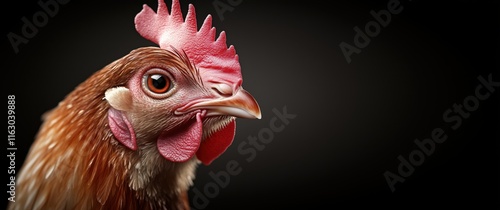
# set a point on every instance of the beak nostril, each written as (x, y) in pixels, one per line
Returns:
(239, 104)
(221, 93)
(223, 89)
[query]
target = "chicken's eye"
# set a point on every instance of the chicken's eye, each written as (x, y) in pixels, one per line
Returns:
(158, 83)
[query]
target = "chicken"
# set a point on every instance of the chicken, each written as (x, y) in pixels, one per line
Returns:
(132, 134)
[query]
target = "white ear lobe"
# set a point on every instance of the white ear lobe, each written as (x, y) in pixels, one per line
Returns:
(119, 98)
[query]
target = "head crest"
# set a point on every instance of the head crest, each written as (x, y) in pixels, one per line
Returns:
(210, 55)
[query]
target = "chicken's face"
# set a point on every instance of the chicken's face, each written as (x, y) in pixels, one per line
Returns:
(169, 106)
(131, 134)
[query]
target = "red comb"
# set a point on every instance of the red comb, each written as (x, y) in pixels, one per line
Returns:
(215, 60)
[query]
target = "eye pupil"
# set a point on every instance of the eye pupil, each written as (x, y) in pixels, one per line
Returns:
(158, 83)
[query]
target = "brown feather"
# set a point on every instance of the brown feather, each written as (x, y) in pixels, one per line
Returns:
(75, 162)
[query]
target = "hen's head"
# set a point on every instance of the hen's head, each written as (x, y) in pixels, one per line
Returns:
(183, 97)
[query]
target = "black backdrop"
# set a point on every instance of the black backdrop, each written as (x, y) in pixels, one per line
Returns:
(352, 120)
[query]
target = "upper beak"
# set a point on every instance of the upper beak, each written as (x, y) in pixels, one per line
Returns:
(241, 104)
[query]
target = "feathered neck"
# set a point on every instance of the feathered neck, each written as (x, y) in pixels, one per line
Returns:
(87, 168)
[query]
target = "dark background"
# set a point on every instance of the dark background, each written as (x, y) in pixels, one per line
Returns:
(353, 120)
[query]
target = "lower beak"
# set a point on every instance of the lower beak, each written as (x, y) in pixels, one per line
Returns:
(241, 104)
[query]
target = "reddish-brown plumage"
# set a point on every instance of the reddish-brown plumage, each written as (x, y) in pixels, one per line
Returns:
(123, 139)
(75, 162)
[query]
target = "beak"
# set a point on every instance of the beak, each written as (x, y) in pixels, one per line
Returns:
(241, 104)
